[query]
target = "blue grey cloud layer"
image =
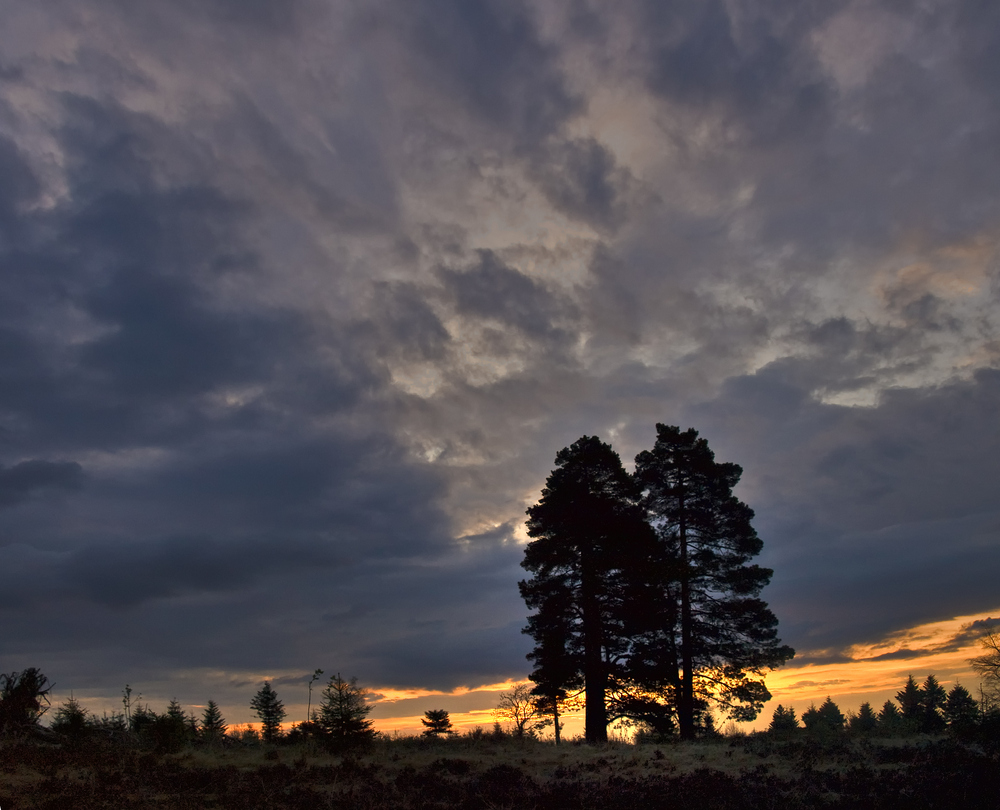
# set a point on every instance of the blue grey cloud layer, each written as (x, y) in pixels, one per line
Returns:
(299, 300)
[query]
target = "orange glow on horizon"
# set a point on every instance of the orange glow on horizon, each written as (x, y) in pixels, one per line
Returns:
(872, 671)
(875, 671)
(392, 695)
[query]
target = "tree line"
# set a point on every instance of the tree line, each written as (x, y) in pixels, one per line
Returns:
(339, 721)
(646, 603)
(341, 717)
(918, 709)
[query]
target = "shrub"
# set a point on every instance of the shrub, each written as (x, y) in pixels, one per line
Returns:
(23, 699)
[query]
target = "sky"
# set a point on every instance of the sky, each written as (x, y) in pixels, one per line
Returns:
(300, 298)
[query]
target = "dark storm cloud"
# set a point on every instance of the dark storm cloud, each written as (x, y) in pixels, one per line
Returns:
(141, 263)
(20, 184)
(163, 342)
(861, 508)
(19, 482)
(972, 632)
(493, 291)
(580, 178)
(751, 66)
(411, 325)
(489, 58)
(269, 17)
(315, 292)
(126, 575)
(136, 334)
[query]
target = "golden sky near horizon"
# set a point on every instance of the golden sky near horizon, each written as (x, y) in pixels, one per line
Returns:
(871, 672)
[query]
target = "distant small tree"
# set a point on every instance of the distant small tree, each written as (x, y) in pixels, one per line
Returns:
(343, 714)
(911, 700)
(23, 699)
(177, 719)
(436, 723)
(890, 721)
(71, 719)
(865, 721)
(783, 721)
(245, 734)
(521, 709)
(213, 726)
(270, 710)
(932, 701)
(142, 718)
(827, 719)
(168, 732)
(960, 709)
(705, 725)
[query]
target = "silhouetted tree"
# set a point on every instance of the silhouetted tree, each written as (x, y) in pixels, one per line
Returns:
(436, 723)
(783, 721)
(713, 636)
(270, 710)
(910, 701)
(521, 709)
(23, 699)
(865, 721)
(831, 714)
(213, 726)
(70, 719)
(172, 729)
(960, 709)
(988, 667)
(343, 713)
(142, 719)
(827, 719)
(177, 716)
(589, 538)
(932, 701)
(312, 680)
(890, 721)
(129, 703)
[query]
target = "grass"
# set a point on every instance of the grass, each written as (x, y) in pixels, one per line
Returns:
(742, 772)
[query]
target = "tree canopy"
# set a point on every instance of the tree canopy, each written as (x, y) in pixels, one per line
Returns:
(988, 666)
(642, 590)
(714, 636)
(589, 539)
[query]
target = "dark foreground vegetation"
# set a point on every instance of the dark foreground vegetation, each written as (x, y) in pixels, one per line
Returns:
(487, 771)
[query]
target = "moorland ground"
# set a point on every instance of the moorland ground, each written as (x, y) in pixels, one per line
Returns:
(755, 771)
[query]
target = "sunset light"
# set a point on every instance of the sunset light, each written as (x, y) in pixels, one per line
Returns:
(360, 360)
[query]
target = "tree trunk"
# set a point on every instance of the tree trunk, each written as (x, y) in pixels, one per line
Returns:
(685, 707)
(595, 680)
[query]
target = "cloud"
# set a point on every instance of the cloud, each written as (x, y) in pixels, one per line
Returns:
(488, 57)
(581, 179)
(491, 290)
(19, 482)
(314, 293)
(915, 472)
